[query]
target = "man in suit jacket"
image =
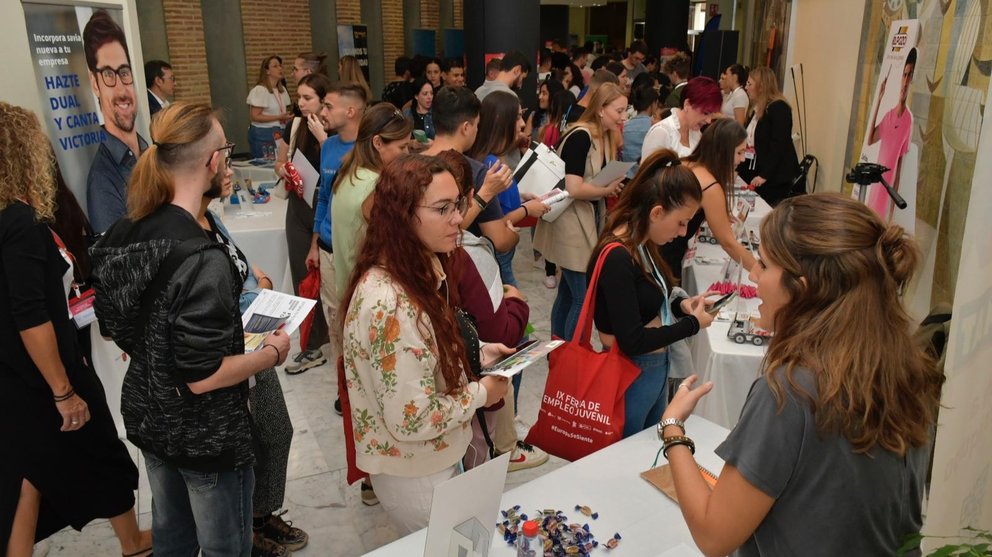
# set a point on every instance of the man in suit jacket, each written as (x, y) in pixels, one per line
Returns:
(161, 84)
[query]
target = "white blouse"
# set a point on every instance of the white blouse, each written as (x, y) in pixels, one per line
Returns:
(272, 104)
(667, 134)
(733, 100)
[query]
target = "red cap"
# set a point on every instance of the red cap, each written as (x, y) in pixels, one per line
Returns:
(530, 528)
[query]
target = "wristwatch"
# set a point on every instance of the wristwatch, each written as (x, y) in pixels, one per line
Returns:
(667, 422)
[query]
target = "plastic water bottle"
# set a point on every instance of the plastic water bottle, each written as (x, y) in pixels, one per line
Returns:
(529, 542)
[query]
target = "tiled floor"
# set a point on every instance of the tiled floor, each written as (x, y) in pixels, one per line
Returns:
(317, 498)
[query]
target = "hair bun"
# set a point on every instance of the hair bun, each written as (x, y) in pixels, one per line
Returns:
(899, 253)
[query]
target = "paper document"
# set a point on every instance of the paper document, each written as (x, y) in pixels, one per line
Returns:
(611, 173)
(311, 178)
(519, 360)
(273, 311)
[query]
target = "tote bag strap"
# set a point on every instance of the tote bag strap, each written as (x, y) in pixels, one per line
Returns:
(583, 329)
(292, 138)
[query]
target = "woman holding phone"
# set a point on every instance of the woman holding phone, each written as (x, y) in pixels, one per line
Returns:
(835, 434)
(405, 357)
(500, 122)
(634, 304)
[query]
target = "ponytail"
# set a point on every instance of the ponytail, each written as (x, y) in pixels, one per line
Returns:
(177, 131)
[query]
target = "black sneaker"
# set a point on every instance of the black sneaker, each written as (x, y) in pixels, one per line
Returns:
(283, 533)
(337, 407)
(305, 360)
(264, 547)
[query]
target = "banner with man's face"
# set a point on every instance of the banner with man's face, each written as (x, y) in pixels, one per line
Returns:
(82, 86)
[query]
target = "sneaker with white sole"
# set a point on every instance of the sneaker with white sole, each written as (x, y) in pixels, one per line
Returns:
(305, 360)
(368, 494)
(526, 456)
(550, 281)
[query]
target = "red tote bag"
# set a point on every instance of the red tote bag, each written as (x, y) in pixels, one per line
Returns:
(309, 288)
(582, 410)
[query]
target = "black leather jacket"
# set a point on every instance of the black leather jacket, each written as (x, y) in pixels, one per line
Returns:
(193, 325)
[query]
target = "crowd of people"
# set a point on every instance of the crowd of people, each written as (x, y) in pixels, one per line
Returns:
(413, 230)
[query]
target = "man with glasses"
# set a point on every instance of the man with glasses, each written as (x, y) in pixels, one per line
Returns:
(168, 295)
(634, 62)
(161, 83)
(112, 82)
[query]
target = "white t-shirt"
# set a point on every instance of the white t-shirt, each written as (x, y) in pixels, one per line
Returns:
(272, 104)
(735, 99)
(667, 135)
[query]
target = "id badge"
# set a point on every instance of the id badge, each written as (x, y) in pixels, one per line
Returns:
(81, 309)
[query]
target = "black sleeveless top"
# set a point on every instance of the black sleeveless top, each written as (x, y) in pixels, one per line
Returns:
(673, 252)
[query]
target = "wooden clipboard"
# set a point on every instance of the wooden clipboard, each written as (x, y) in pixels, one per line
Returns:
(661, 477)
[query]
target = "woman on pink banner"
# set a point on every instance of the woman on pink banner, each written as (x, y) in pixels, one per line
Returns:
(894, 131)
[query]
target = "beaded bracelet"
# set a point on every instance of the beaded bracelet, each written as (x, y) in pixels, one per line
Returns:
(64, 397)
(678, 440)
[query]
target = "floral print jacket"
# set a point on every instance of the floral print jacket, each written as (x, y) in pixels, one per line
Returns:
(404, 424)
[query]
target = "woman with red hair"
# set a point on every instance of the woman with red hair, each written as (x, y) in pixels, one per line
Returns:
(701, 99)
(405, 359)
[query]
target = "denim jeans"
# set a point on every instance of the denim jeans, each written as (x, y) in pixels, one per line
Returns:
(258, 138)
(568, 303)
(194, 511)
(647, 398)
(505, 261)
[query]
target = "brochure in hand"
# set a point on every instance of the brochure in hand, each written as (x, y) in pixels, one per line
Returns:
(525, 355)
(272, 311)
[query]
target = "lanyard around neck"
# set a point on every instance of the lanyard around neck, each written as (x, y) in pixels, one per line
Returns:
(666, 310)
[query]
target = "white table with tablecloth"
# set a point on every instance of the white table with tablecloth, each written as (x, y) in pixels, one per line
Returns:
(260, 230)
(608, 482)
(731, 366)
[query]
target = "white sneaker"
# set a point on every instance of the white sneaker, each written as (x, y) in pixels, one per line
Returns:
(550, 282)
(526, 456)
(305, 360)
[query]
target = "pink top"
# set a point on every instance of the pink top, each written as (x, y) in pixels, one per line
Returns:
(894, 131)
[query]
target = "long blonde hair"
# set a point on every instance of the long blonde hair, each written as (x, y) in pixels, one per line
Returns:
(351, 70)
(845, 271)
(26, 162)
(178, 131)
(590, 119)
(768, 90)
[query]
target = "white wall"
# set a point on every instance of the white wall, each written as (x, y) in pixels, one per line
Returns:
(961, 488)
(826, 40)
(18, 87)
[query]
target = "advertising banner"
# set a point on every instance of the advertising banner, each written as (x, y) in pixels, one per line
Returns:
(889, 133)
(72, 112)
(353, 40)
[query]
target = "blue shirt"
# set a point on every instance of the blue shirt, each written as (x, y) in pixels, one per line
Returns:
(634, 131)
(331, 155)
(509, 199)
(106, 184)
